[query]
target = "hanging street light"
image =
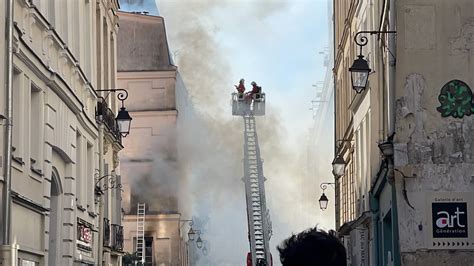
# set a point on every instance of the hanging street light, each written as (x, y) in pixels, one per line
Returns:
(323, 202)
(360, 68)
(191, 234)
(359, 73)
(123, 119)
(199, 242)
(338, 166)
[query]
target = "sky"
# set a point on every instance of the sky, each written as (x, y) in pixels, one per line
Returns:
(276, 43)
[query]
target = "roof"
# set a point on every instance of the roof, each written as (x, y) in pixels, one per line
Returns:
(142, 44)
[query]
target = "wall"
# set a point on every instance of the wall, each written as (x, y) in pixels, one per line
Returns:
(54, 128)
(434, 46)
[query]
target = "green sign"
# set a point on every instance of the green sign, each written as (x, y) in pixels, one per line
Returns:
(456, 100)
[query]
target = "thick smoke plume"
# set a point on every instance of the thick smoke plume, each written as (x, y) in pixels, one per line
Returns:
(210, 140)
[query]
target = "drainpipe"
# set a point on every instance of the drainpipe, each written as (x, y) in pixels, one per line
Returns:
(392, 45)
(334, 52)
(101, 198)
(7, 173)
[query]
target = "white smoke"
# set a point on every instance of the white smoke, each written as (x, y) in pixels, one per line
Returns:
(210, 140)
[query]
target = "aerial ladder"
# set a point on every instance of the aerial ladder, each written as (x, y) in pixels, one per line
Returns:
(140, 245)
(248, 105)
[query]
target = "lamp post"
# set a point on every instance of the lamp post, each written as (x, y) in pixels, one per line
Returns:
(323, 200)
(339, 164)
(199, 241)
(123, 118)
(360, 68)
(191, 234)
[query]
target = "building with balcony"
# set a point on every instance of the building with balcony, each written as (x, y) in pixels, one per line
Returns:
(406, 137)
(63, 53)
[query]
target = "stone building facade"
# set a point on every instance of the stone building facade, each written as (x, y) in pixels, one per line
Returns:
(434, 132)
(63, 52)
(360, 123)
(149, 161)
(405, 199)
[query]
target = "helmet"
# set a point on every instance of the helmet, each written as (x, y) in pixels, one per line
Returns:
(253, 83)
(242, 80)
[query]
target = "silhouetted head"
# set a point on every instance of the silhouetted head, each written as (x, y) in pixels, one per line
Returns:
(312, 247)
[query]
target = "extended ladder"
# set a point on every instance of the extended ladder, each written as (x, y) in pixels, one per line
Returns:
(141, 232)
(258, 217)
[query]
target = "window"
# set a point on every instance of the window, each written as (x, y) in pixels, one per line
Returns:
(18, 80)
(64, 21)
(75, 40)
(97, 57)
(148, 250)
(89, 180)
(52, 12)
(79, 169)
(36, 127)
(106, 56)
(86, 59)
(25, 262)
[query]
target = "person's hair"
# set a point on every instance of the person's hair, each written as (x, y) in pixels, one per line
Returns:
(312, 247)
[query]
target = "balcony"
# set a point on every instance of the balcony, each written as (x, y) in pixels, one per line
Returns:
(107, 116)
(117, 237)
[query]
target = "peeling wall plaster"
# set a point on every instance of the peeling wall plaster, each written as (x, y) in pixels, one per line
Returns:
(451, 142)
(464, 42)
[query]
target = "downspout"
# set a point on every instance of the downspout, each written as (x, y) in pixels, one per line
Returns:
(392, 45)
(101, 198)
(336, 212)
(7, 173)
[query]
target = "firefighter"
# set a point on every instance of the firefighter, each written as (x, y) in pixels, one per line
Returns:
(255, 89)
(241, 87)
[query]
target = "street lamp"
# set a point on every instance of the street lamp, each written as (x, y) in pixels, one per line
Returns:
(338, 166)
(323, 200)
(199, 241)
(123, 119)
(191, 234)
(359, 73)
(360, 68)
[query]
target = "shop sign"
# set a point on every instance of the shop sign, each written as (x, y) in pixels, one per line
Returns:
(449, 217)
(360, 246)
(84, 235)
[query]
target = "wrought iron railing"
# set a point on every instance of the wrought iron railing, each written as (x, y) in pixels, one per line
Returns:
(107, 116)
(117, 237)
(106, 232)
